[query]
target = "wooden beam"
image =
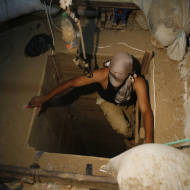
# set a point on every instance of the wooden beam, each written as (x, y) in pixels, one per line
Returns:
(104, 3)
(98, 182)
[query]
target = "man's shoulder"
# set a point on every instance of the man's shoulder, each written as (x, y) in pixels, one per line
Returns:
(139, 79)
(139, 83)
(101, 74)
(103, 70)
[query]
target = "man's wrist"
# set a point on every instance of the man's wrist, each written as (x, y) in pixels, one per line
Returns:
(45, 98)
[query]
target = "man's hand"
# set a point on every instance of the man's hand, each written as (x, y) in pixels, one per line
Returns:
(37, 101)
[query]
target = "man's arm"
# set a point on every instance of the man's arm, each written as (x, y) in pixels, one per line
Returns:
(99, 76)
(144, 105)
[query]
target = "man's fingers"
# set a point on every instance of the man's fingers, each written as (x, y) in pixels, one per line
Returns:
(31, 104)
(34, 102)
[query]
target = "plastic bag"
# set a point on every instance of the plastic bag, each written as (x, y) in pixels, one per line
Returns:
(150, 166)
(177, 49)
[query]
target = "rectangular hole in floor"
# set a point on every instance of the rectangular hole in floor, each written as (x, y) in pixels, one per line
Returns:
(73, 124)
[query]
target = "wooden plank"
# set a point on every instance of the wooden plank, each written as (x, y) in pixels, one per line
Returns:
(146, 62)
(137, 124)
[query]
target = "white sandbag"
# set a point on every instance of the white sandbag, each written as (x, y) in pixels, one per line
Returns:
(166, 19)
(177, 49)
(141, 20)
(144, 5)
(151, 167)
(165, 35)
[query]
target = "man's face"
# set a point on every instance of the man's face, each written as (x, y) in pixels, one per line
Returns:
(116, 78)
(120, 66)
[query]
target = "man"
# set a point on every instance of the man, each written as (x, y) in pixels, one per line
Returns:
(119, 80)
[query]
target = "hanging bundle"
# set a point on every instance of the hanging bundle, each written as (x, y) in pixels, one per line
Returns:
(68, 32)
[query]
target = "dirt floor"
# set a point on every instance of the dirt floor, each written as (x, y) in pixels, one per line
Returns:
(21, 77)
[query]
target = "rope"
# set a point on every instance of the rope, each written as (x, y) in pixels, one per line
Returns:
(178, 141)
(47, 15)
(125, 44)
(50, 6)
(52, 34)
(154, 92)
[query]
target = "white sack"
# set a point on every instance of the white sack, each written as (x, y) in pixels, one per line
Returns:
(166, 20)
(151, 166)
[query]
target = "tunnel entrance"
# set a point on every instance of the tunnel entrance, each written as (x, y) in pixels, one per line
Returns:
(73, 123)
